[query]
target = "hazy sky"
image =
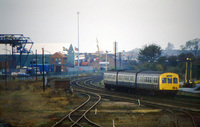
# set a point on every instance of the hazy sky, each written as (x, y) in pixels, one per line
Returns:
(132, 23)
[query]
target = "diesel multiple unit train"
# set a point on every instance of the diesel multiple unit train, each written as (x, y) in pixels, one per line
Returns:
(152, 82)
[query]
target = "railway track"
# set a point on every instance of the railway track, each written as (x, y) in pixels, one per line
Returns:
(78, 115)
(178, 113)
(183, 114)
(189, 104)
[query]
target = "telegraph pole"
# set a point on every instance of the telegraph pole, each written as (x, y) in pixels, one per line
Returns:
(115, 55)
(120, 60)
(6, 68)
(36, 64)
(43, 69)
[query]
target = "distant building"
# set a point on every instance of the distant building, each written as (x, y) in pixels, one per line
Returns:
(59, 61)
(170, 52)
(102, 64)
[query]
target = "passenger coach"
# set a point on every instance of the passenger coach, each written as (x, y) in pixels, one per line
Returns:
(152, 82)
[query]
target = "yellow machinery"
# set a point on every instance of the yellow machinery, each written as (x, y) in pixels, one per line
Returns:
(188, 75)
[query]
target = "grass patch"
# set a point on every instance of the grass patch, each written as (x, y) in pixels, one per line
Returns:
(23, 103)
(126, 114)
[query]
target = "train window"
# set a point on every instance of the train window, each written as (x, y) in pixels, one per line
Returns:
(175, 80)
(126, 78)
(113, 77)
(131, 78)
(150, 79)
(139, 79)
(107, 77)
(164, 80)
(120, 77)
(170, 80)
(155, 80)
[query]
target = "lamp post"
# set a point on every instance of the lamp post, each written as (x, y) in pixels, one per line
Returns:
(78, 36)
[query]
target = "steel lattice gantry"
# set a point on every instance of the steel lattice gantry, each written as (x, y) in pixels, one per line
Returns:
(18, 41)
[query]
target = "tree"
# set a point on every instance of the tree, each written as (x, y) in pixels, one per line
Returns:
(173, 61)
(192, 45)
(150, 53)
(182, 57)
(162, 60)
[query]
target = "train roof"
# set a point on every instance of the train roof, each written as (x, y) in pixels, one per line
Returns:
(130, 71)
(151, 72)
(135, 71)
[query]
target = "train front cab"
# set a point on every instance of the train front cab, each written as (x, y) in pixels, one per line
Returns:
(169, 83)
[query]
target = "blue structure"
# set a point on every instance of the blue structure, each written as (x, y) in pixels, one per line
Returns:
(32, 68)
(18, 41)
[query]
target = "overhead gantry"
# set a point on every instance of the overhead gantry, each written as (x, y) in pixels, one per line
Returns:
(18, 42)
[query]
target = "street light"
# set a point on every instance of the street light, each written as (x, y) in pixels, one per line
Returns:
(78, 37)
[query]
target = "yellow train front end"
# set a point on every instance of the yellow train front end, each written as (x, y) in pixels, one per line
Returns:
(169, 83)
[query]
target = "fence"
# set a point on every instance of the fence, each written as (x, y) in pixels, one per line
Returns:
(49, 74)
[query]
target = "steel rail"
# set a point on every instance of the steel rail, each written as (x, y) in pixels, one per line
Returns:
(193, 121)
(158, 104)
(171, 112)
(57, 123)
(161, 105)
(69, 116)
(84, 115)
(146, 101)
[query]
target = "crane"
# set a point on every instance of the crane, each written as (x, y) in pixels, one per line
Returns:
(18, 41)
(98, 47)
